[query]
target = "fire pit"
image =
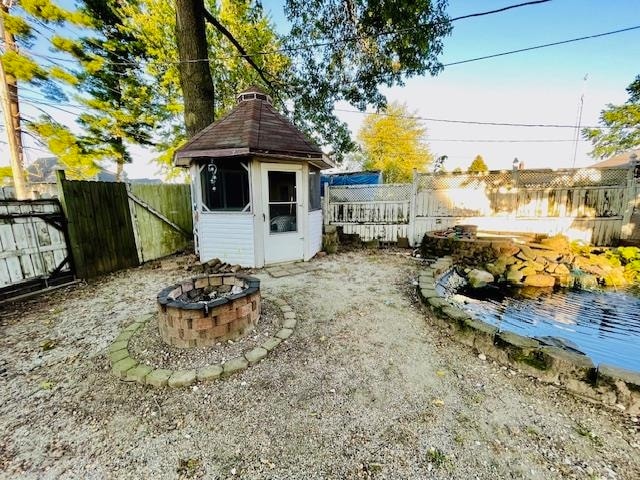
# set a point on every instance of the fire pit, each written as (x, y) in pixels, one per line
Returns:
(203, 311)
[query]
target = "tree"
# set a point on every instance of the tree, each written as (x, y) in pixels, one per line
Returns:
(195, 74)
(153, 22)
(478, 165)
(117, 99)
(620, 126)
(394, 143)
(345, 55)
(21, 30)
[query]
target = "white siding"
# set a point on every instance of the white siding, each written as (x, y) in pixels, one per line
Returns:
(227, 236)
(314, 232)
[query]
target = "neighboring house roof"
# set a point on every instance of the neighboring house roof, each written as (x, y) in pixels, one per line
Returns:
(43, 170)
(619, 160)
(254, 126)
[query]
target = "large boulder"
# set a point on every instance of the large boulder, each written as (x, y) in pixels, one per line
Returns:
(562, 269)
(539, 280)
(559, 243)
(479, 278)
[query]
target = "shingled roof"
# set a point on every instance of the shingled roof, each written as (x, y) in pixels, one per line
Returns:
(253, 127)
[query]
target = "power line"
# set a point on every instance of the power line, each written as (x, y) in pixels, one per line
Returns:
(499, 140)
(536, 47)
(310, 46)
(465, 122)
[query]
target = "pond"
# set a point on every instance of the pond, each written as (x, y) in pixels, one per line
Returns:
(605, 325)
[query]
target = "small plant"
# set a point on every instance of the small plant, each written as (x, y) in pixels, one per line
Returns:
(188, 467)
(436, 457)
(585, 432)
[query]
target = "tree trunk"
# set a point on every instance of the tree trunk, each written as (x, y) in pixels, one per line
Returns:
(119, 170)
(11, 109)
(195, 74)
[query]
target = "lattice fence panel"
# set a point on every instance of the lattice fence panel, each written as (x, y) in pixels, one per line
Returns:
(447, 181)
(390, 192)
(584, 177)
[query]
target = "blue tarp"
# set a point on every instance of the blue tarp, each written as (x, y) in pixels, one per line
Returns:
(351, 178)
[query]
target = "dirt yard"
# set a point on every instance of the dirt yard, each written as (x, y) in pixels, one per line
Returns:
(366, 387)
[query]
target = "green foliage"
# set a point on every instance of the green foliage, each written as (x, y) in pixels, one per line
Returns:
(629, 257)
(68, 148)
(152, 22)
(21, 67)
(357, 46)
(620, 129)
(478, 165)
(394, 143)
(6, 176)
(119, 101)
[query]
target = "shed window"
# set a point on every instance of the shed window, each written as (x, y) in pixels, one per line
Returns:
(224, 185)
(314, 189)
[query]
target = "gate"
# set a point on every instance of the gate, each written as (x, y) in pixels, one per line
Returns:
(33, 247)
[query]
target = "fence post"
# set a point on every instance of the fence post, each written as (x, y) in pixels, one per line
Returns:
(327, 200)
(412, 209)
(631, 197)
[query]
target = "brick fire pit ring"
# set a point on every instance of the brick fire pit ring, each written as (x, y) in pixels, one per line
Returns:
(187, 318)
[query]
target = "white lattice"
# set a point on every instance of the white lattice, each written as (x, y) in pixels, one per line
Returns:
(391, 192)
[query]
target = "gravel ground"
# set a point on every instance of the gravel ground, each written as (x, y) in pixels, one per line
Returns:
(366, 387)
(148, 347)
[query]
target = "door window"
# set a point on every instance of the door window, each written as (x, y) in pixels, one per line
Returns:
(283, 203)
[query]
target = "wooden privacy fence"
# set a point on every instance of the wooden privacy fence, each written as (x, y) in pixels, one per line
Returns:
(115, 225)
(592, 204)
(33, 246)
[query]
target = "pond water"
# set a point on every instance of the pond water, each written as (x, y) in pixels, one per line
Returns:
(605, 325)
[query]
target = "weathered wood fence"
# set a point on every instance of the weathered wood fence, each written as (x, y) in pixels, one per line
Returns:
(594, 205)
(115, 225)
(33, 246)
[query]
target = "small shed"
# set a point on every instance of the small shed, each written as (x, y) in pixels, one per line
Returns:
(255, 186)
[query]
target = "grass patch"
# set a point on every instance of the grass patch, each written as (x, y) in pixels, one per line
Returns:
(436, 457)
(585, 432)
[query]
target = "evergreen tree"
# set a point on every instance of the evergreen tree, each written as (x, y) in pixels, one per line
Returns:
(21, 27)
(478, 165)
(118, 100)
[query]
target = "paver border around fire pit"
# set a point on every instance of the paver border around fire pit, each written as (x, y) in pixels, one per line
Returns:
(575, 372)
(129, 369)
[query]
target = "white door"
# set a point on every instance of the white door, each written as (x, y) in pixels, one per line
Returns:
(283, 199)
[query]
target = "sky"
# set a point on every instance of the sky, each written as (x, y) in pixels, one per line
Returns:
(542, 86)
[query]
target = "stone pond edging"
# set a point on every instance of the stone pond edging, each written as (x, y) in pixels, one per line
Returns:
(128, 369)
(574, 371)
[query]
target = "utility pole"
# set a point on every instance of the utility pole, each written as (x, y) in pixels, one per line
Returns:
(11, 110)
(576, 138)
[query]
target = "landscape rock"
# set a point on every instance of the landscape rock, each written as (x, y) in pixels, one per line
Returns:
(479, 278)
(234, 365)
(208, 373)
(182, 378)
(540, 280)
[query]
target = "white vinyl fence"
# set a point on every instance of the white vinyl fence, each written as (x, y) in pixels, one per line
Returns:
(594, 205)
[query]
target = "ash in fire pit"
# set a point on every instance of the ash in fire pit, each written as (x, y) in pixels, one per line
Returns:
(205, 310)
